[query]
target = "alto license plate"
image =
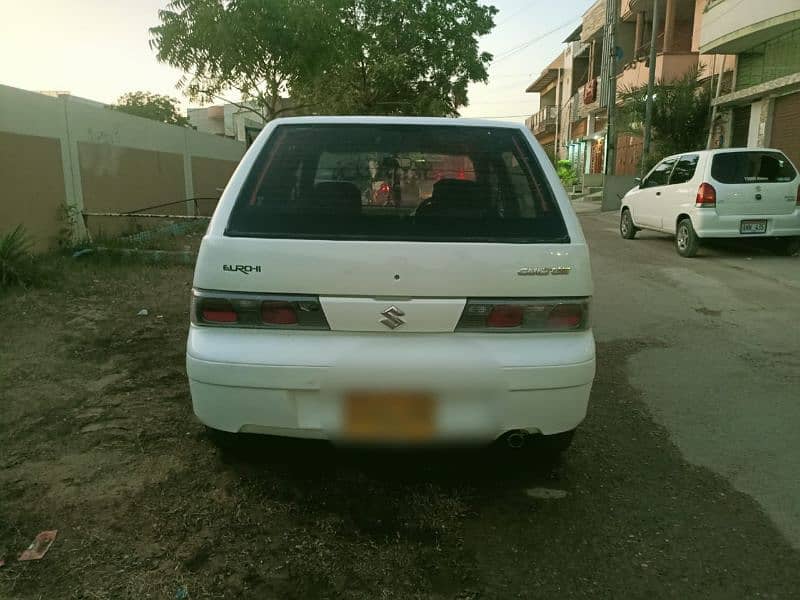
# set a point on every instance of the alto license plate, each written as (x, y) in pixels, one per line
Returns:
(753, 226)
(389, 416)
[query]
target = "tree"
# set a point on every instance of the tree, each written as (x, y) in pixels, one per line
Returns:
(250, 46)
(413, 57)
(151, 106)
(681, 115)
(330, 56)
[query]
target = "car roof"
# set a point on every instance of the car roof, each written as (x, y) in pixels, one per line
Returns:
(372, 120)
(716, 151)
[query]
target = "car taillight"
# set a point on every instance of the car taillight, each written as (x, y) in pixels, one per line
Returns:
(566, 316)
(525, 315)
(505, 315)
(266, 311)
(706, 196)
(218, 311)
(798, 196)
(385, 188)
(278, 313)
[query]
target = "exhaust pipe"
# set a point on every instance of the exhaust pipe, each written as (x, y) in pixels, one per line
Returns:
(516, 439)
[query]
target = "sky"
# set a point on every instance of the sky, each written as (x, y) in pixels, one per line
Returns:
(98, 49)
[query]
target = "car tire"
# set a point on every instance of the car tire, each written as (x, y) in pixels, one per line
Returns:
(626, 227)
(788, 246)
(686, 241)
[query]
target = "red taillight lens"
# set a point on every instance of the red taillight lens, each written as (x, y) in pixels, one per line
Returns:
(525, 315)
(259, 311)
(218, 311)
(566, 316)
(798, 195)
(278, 313)
(706, 196)
(384, 189)
(505, 315)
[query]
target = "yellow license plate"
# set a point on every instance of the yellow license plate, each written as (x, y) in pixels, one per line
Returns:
(389, 416)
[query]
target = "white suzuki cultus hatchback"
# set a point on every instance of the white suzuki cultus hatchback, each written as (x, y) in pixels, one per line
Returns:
(452, 305)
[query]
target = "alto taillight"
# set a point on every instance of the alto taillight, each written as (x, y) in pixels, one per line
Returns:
(264, 311)
(798, 196)
(525, 315)
(706, 196)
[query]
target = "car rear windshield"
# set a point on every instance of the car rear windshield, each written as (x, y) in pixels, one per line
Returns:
(752, 167)
(397, 182)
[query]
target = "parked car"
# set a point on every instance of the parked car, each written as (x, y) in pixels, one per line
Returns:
(730, 193)
(316, 316)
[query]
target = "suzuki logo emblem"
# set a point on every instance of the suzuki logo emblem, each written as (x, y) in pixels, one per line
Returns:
(392, 317)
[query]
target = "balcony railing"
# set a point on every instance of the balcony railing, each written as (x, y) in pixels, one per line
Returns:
(539, 122)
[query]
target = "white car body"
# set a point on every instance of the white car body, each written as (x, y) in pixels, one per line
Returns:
(295, 382)
(743, 209)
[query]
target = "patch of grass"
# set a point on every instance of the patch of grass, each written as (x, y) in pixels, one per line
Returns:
(17, 265)
(170, 244)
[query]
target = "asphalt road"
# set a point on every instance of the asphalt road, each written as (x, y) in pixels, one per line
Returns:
(720, 364)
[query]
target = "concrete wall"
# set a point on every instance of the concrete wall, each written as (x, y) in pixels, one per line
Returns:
(593, 20)
(669, 67)
(758, 114)
(207, 173)
(32, 187)
(731, 27)
(63, 157)
(776, 58)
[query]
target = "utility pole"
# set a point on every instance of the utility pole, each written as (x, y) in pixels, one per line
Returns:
(558, 115)
(714, 97)
(651, 81)
(612, 17)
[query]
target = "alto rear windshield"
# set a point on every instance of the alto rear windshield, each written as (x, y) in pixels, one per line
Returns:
(397, 182)
(752, 167)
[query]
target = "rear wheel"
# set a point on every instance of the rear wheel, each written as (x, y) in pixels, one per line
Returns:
(626, 227)
(686, 241)
(788, 246)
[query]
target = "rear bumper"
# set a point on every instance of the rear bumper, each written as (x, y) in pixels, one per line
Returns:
(708, 224)
(294, 384)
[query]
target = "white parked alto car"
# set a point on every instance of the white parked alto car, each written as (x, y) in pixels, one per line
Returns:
(461, 314)
(727, 193)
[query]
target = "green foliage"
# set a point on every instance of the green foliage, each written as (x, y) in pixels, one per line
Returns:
(16, 262)
(681, 115)
(151, 106)
(331, 56)
(566, 172)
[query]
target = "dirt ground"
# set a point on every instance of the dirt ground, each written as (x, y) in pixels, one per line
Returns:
(98, 440)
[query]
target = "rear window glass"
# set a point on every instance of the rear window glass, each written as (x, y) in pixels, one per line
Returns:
(397, 182)
(752, 167)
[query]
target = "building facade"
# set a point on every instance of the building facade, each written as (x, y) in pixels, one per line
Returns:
(227, 120)
(546, 123)
(582, 113)
(763, 106)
